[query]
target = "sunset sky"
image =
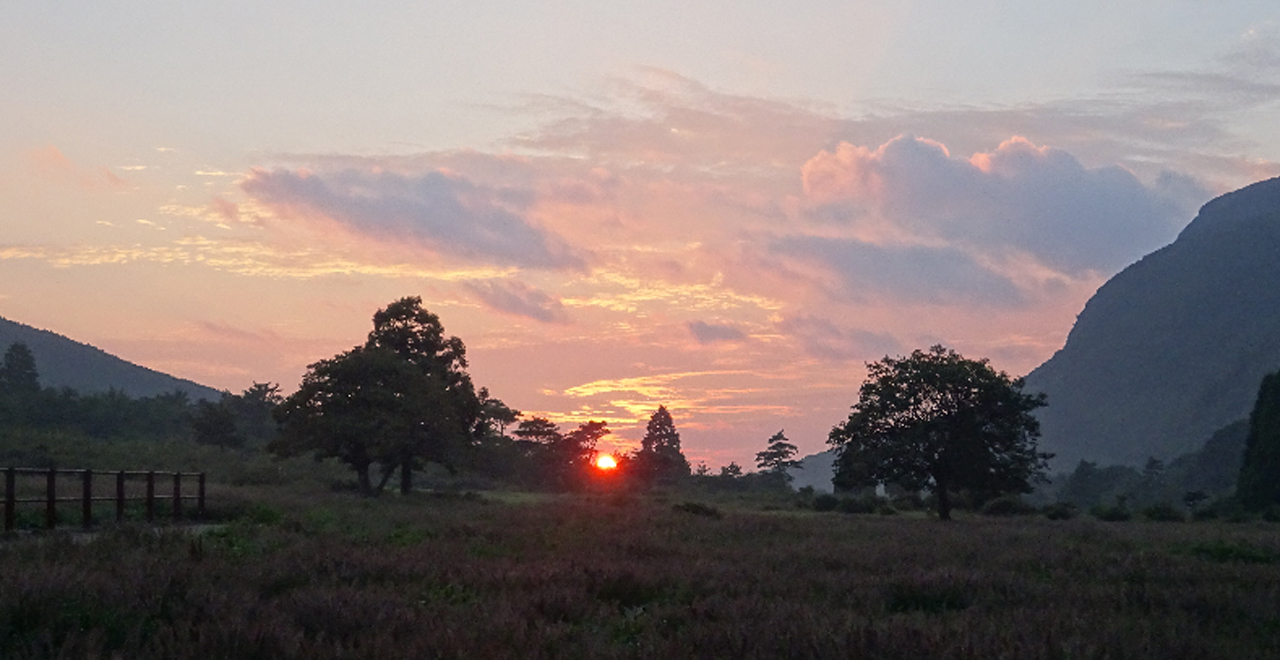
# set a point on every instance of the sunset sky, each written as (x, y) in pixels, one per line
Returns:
(723, 207)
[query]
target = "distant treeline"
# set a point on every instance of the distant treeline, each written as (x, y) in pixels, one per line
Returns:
(236, 421)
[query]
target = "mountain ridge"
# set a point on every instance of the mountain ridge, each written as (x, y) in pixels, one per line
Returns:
(65, 362)
(1173, 347)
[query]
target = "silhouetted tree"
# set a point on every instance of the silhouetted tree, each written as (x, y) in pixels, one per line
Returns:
(417, 336)
(777, 457)
(18, 374)
(659, 457)
(494, 417)
(937, 421)
(253, 412)
(214, 423)
(730, 471)
(1259, 484)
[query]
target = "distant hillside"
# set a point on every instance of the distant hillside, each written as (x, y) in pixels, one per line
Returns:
(1174, 347)
(815, 470)
(63, 362)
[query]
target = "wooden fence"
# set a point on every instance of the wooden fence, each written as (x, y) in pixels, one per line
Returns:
(83, 485)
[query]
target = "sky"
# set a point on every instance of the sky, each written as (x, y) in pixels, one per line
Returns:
(727, 208)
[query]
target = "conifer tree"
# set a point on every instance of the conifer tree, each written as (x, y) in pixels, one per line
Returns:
(1259, 483)
(660, 457)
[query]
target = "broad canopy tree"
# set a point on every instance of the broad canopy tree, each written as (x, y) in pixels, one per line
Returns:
(937, 421)
(401, 399)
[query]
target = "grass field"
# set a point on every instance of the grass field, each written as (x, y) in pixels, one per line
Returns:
(299, 573)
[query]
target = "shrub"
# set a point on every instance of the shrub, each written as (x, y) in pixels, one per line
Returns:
(1061, 511)
(826, 502)
(1115, 513)
(1008, 505)
(698, 509)
(859, 504)
(1163, 512)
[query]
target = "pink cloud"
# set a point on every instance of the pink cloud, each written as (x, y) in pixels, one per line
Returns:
(51, 164)
(1023, 197)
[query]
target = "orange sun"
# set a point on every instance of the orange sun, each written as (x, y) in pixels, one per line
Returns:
(606, 462)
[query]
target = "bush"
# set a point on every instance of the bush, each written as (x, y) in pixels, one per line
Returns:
(1115, 513)
(1008, 505)
(698, 509)
(1061, 511)
(859, 504)
(826, 502)
(1163, 512)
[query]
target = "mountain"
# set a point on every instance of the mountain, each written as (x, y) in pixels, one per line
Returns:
(63, 362)
(815, 470)
(1174, 347)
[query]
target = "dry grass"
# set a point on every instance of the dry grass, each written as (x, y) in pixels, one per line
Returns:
(333, 576)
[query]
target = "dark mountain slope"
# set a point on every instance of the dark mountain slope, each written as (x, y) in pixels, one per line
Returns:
(1174, 347)
(63, 362)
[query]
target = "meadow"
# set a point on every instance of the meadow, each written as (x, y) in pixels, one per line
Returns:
(293, 572)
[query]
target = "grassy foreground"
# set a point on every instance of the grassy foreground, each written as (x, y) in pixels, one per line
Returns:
(612, 576)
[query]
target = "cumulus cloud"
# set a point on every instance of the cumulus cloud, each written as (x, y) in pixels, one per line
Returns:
(825, 340)
(1038, 200)
(709, 333)
(449, 215)
(520, 299)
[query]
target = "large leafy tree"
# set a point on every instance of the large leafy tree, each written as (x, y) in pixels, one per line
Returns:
(937, 421)
(401, 399)
(659, 457)
(1259, 484)
(362, 407)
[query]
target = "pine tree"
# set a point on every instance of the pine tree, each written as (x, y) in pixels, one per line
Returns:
(18, 373)
(777, 458)
(1259, 483)
(660, 457)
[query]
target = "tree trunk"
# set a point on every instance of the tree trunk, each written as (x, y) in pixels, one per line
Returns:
(362, 474)
(944, 503)
(387, 471)
(406, 478)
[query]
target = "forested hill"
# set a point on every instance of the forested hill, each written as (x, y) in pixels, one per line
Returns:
(1175, 346)
(63, 362)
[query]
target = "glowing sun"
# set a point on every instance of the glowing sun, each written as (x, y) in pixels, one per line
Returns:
(606, 462)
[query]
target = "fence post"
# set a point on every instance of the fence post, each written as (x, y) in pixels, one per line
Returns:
(177, 496)
(200, 498)
(151, 496)
(86, 499)
(120, 496)
(51, 498)
(10, 494)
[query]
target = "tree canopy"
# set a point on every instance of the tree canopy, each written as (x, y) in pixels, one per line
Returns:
(401, 399)
(937, 421)
(777, 458)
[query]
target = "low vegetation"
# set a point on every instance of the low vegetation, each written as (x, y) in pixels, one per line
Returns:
(454, 575)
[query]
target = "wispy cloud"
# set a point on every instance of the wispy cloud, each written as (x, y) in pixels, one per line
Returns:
(51, 164)
(710, 333)
(448, 215)
(520, 299)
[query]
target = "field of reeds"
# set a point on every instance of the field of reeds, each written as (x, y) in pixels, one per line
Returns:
(294, 574)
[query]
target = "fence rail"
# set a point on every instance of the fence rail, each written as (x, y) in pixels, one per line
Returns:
(86, 497)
